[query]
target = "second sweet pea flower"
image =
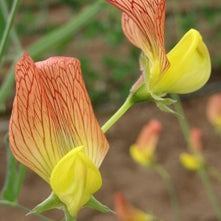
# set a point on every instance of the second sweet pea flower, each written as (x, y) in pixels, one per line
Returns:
(127, 212)
(184, 69)
(193, 161)
(53, 129)
(143, 151)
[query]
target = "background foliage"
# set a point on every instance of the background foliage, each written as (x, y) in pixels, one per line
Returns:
(109, 61)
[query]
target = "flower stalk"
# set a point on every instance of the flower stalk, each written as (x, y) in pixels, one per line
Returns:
(173, 198)
(68, 217)
(209, 190)
(215, 173)
(121, 111)
(22, 208)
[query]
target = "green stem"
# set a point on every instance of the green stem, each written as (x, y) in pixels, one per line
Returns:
(182, 118)
(123, 109)
(173, 198)
(214, 173)
(68, 216)
(8, 26)
(201, 171)
(22, 208)
(21, 176)
(211, 195)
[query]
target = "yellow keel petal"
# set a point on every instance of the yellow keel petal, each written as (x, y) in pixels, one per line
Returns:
(74, 179)
(190, 66)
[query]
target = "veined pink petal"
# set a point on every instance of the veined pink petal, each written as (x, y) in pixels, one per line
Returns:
(143, 23)
(52, 114)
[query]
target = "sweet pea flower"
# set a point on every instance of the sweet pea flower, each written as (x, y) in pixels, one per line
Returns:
(143, 151)
(53, 129)
(126, 212)
(193, 161)
(213, 110)
(184, 69)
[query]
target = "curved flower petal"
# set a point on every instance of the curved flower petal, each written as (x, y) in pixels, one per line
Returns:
(149, 135)
(143, 23)
(52, 114)
(190, 66)
(80, 180)
(69, 102)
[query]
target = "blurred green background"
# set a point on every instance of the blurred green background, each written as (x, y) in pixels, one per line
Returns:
(109, 61)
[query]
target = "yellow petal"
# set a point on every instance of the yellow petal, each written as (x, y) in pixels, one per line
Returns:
(143, 157)
(189, 161)
(190, 66)
(74, 179)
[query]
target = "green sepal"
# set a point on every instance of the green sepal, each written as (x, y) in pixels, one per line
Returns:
(163, 104)
(140, 91)
(93, 203)
(52, 202)
(141, 94)
(145, 66)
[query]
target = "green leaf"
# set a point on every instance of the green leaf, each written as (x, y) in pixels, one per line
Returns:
(49, 41)
(9, 192)
(14, 176)
(8, 27)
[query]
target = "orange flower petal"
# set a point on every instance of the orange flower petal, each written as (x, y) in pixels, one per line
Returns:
(196, 139)
(143, 23)
(149, 135)
(213, 110)
(126, 212)
(52, 114)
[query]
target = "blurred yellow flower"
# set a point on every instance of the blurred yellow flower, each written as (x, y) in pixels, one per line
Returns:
(193, 161)
(189, 161)
(143, 151)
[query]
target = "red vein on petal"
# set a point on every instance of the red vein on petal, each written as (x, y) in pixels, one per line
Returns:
(149, 16)
(76, 105)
